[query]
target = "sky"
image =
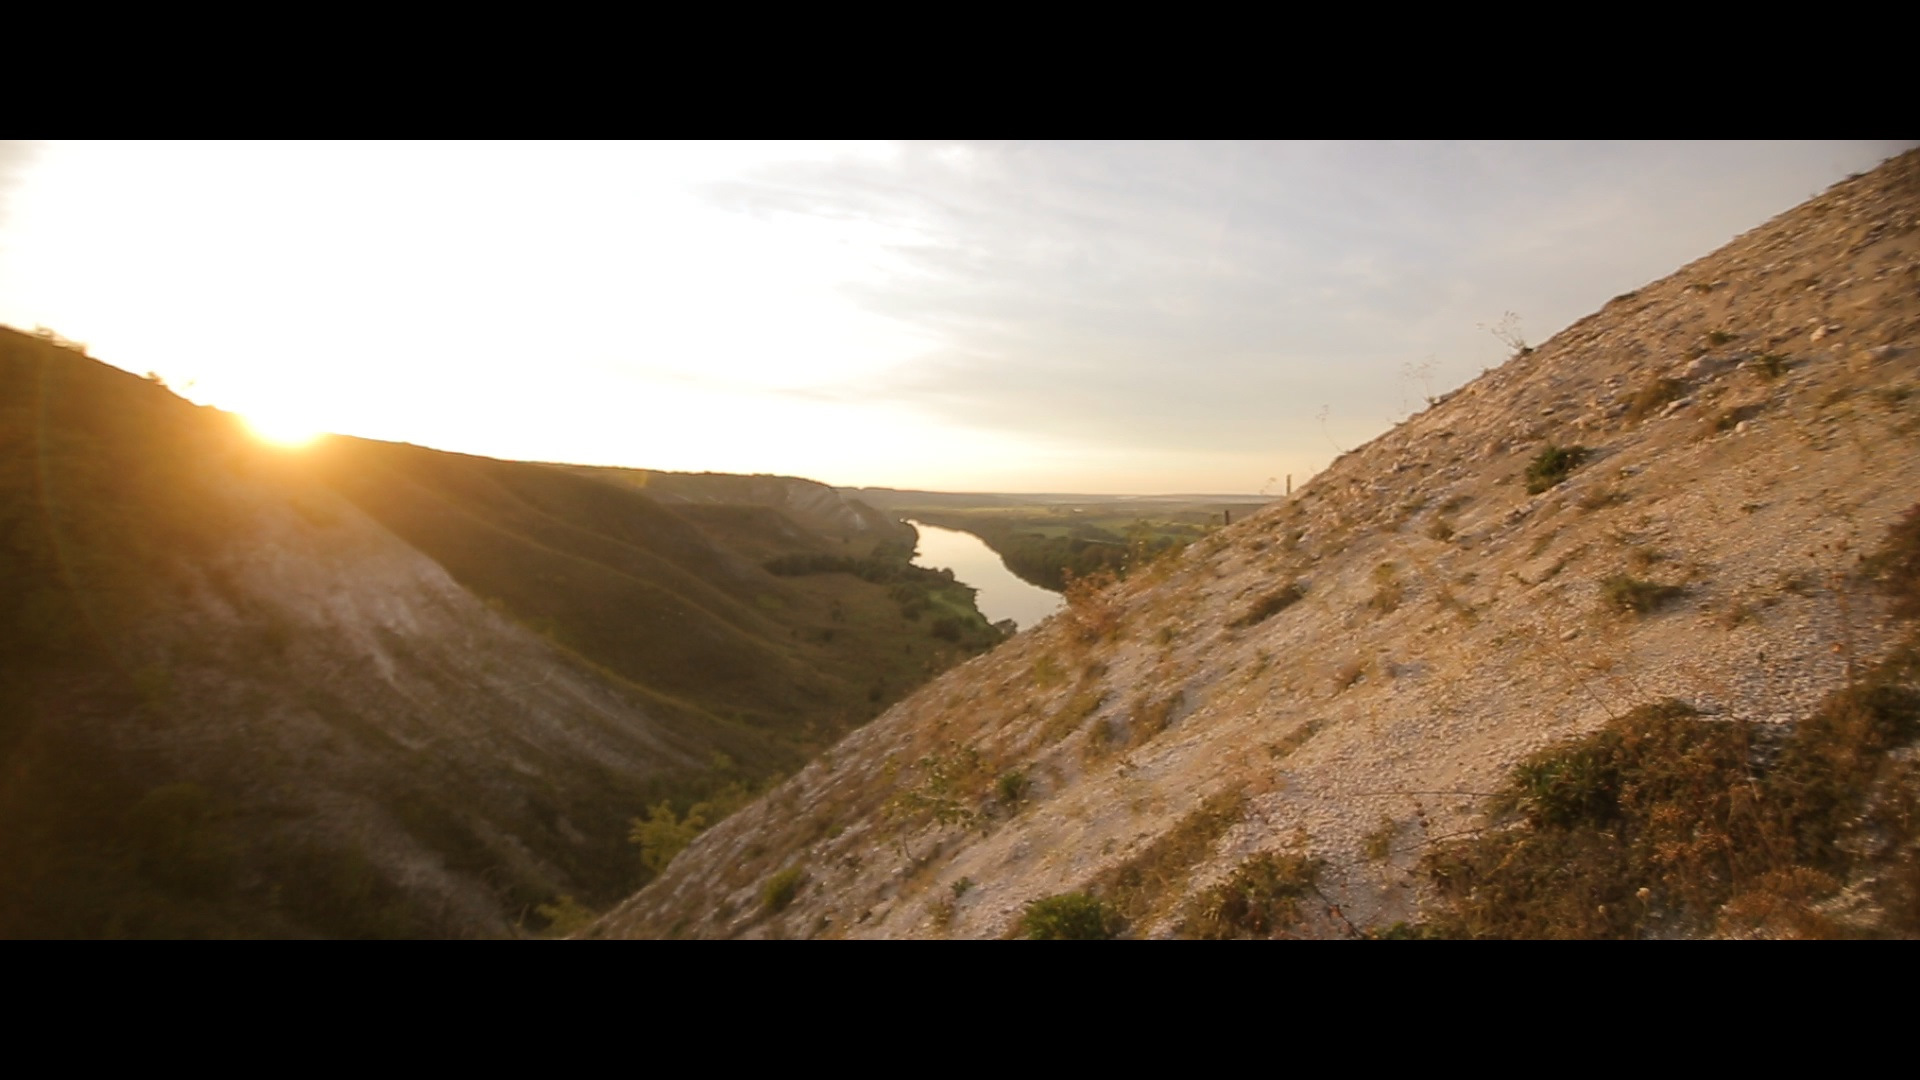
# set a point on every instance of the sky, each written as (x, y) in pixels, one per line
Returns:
(1137, 318)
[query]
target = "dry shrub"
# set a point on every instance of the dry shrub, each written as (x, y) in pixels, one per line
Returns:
(1664, 823)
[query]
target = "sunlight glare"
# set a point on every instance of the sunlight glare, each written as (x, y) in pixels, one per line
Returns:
(282, 428)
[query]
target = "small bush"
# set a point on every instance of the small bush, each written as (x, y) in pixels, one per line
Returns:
(1630, 594)
(1269, 605)
(781, 889)
(1552, 466)
(1441, 530)
(1260, 899)
(1768, 366)
(1078, 916)
(1011, 788)
(1719, 337)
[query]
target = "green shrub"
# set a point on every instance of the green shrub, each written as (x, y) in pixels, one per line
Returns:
(1553, 465)
(781, 889)
(565, 916)
(1078, 916)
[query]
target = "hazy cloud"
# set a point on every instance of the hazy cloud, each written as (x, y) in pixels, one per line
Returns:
(1216, 296)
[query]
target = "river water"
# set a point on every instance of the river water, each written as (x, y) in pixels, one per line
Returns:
(1001, 594)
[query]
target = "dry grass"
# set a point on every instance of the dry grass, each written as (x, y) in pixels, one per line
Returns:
(1270, 605)
(1141, 888)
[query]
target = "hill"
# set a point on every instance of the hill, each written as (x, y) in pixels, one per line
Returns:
(1609, 642)
(368, 689)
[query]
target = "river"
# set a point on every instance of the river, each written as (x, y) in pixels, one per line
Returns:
(1001, 594)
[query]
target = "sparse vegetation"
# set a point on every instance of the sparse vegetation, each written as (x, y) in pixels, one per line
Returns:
(1768, 366)
(1139, 889)
(1378, 844)
(1084, 703)
(1077, 916)
(1667, 823)
(1628, 594)
(1091, 606)
(1552, 466)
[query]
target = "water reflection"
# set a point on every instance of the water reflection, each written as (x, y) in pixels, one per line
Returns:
(1001, 594)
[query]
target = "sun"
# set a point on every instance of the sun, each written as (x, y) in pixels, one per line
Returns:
(282, 427)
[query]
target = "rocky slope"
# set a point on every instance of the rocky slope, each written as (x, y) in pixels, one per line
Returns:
(1346, 676)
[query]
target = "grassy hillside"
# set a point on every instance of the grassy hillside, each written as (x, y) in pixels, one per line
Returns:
(365, 689)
